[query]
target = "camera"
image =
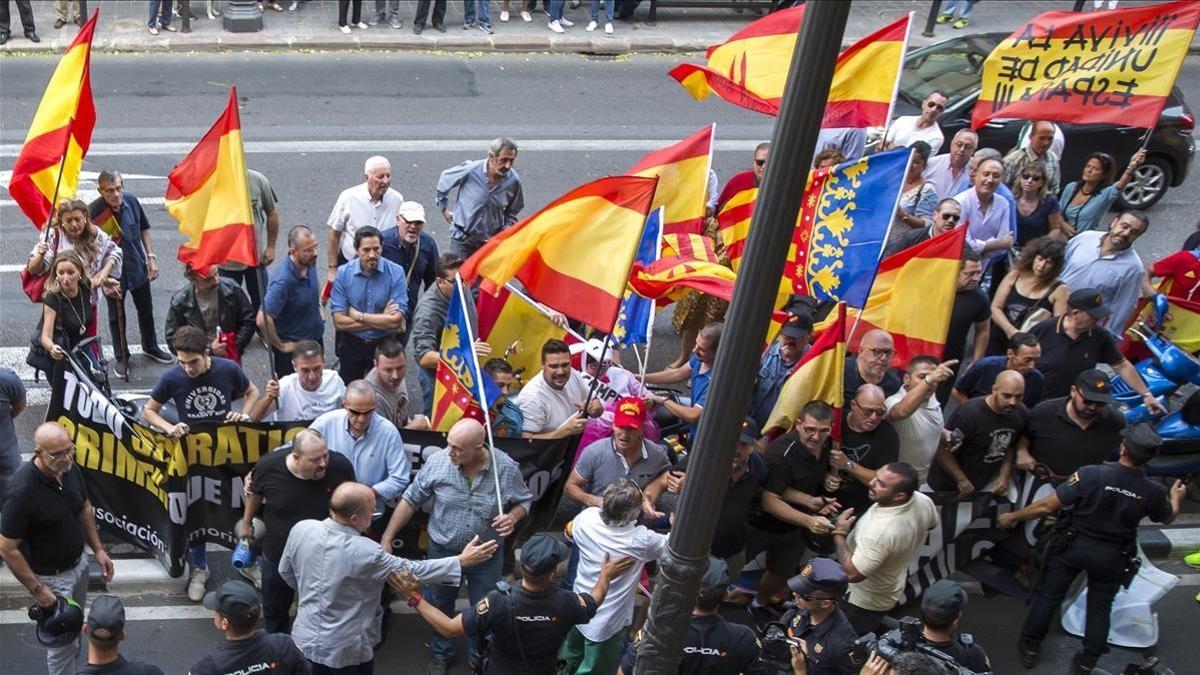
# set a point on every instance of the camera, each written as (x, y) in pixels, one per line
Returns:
(906, 638)
(777, 646)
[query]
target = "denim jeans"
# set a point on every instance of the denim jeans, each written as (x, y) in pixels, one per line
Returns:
(143, 304)
(160, 9)
(485, 18)
(479, 579)
(556, 9)
(426, 379)
(276, 597)
(963, 8)
(608, 10)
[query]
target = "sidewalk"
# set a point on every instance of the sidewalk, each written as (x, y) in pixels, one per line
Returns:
(122, 28)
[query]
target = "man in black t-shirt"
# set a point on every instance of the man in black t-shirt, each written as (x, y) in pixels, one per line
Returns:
(202, 387)
(868, 443)
(971, 309)
(293, 483)
(983, 438)
(105, 630)
(246, 650)
(1066, 434)
(872, 364)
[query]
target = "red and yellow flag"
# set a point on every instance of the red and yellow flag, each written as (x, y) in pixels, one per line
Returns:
(59, 135)
(670, 278)
(924, 276)
(208, 194)
(816, 377)
(516, 328)
(1112, 67)
(682, 171)
(452, 400)
(733, 221)
(574, 255)
(750, 70)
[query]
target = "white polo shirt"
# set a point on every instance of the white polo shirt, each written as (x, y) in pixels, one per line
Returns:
(905, 131)
(883, 541)
(919, 432)
(354, 209)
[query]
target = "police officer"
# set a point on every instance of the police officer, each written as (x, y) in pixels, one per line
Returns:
(941, 609)
(1107, 502)
(525, 626)
(714, 646)
(825, 633)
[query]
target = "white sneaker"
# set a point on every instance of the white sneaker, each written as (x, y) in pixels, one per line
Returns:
(195, 587)
(608, 29)
(591, 26)
(253, 574)
(504, 15)
(526, 17)
(566, 22)
(344, 29)
(556, 27)
(362, 25)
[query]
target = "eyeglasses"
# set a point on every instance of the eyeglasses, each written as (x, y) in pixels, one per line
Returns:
(60, 454)
(878, 351)
(952, 217)
(760, 162)
(1030, 176)
(870, 412)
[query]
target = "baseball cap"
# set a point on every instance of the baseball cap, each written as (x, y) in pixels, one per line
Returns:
(820, 575)
(1094, 386)
(233, 598)
(542, 553)
(1141, 436)
(945, 597)
(1088, 300)
(631, 412)
(797, 325)
(413, 212)
(798, 303)
(106, 618)
(749, 432)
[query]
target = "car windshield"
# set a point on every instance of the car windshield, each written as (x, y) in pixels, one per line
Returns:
(954, 67)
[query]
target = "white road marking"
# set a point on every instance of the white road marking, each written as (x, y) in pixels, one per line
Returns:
(87, 186)
(1184, 540)
(14, 357)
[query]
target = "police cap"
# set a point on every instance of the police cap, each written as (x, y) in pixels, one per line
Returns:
(944, 597)
(820, 575)
(542, 553)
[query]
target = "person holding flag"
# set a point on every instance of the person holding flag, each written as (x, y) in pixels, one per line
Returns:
(556, 403)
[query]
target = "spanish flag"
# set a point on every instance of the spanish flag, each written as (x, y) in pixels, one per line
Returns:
(670, 278)
(208, 194)
(750, 70)
(733, 221)
(682, 171)
(816, 377)
(516, 328)
(1113, 67)
(574, 255)
(48, 166)
(1181, 325)
(924, 276)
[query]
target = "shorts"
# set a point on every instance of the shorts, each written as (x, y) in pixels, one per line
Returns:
(784, 549)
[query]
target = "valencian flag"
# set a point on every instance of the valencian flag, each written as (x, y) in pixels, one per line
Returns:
(844, 221)
(1114, 67)
(516, 327)
(208, 194)
(750, 70)
(816, 377)
(924, 276)
(682, 171)
(635, 320)
(456, 387)
(49, 162)
(573, 255)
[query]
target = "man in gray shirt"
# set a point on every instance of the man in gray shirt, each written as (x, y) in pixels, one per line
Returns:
(339, 575)
(489, 197)
(626, 453)
(12, 402)
(430, 318)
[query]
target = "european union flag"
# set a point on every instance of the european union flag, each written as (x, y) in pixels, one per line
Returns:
(636, 317)
(850, 219)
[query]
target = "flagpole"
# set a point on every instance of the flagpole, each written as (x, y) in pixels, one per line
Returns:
(479, 390)
(887, 121)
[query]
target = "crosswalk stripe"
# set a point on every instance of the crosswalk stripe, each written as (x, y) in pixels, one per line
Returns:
(14, 358)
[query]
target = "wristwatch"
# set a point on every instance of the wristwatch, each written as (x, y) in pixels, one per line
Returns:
(850, 465)
(414, 600)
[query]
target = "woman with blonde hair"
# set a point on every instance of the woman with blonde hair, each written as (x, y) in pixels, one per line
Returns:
(67, 306)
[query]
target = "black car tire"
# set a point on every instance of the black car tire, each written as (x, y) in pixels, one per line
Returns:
(1149, 184)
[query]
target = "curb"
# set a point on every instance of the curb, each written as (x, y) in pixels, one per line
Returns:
(1169, 543)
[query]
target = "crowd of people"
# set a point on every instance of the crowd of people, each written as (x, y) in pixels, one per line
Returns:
(1045, 289)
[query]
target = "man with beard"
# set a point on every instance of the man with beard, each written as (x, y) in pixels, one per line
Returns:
(306, 394)
(945, 218)
(977, 454)
(871, 365)
(1073, 431)
(915, 413)
(369, 301)
(291, 310)
(868, 443)
(552, 402)
(1106, 262)
(391, 393)
(412, 248)
(948, 171)
(971, 309)
(1022, 356)
(489, 197)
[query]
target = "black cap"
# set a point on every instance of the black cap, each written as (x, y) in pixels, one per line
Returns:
(1094, 386)
(1141, 436)
(233, 598)
(945, 597)
(542, 553)
(820, 575)
(797, 325)
(749, 432)
(106, 618)
(717, 574)
(1088, 300)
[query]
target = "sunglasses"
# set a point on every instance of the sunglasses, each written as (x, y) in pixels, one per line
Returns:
(1030, 176)
(873, 412)
(952, 217)
(360, 413)
(760, 162)
(934, 106)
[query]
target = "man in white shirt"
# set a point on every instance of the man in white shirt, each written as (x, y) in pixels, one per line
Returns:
(610, 529)
(985, 213)
(371, 202)
(306, 394)
(877, 553)
(948, 172)
(924, 127)
(915, 412)
(552, 403)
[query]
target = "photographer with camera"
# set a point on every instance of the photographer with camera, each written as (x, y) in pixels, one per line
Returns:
(1105, 504)
(941, 609)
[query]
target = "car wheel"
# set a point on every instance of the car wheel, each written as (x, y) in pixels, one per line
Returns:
(1149, 184)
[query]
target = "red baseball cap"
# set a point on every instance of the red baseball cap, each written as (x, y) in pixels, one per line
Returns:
(631, 412)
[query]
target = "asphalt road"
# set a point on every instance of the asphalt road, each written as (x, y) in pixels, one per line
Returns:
(309, 122)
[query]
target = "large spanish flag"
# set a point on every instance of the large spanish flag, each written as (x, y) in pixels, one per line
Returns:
(750, 70)
(1113, 67)
(574, 255)
(913, 295)
(733, 221)
(47, 167)
(208, 194)
(682, 171)
(516, 328)
(816, 377)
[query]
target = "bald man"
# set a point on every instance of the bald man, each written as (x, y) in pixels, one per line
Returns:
(872, 365)
(979, 442)
(45, 522)
(339, 576)
(868, 443)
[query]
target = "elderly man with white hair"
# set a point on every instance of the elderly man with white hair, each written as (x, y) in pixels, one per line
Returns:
(371, 202)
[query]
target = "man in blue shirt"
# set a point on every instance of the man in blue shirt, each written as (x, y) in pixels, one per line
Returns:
(291, 310)
(369, 301)
(1022, 356)
(121, 216)
(777, 363)
(698, 369)
(411, 247)
(489, 197)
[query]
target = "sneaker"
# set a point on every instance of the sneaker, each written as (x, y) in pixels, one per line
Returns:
(526, 17)
(608, 29)
(1192, 560)
(156, 353)
(417, 29)
(120, 367)
(961, 23)
(396, 22)
(439, 27)
(556, 27)
(169, 28)
(59, 23)
(375, 20)
(486, 28)
(292, 7)
(504, 16)
(195, 587)
(944, 18)
(591, 26)
(437, 666)
(344, 29)
(566, 22)
(1028, 653)
(362, 25)
(253, 574)
(468, 25)
(153, 30)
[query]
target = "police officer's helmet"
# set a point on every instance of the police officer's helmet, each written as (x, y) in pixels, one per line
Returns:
(59, 624)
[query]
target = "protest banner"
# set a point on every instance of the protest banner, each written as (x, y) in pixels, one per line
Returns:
(164, 494)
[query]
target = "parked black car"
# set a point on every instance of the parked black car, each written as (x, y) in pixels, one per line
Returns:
(956, 66)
